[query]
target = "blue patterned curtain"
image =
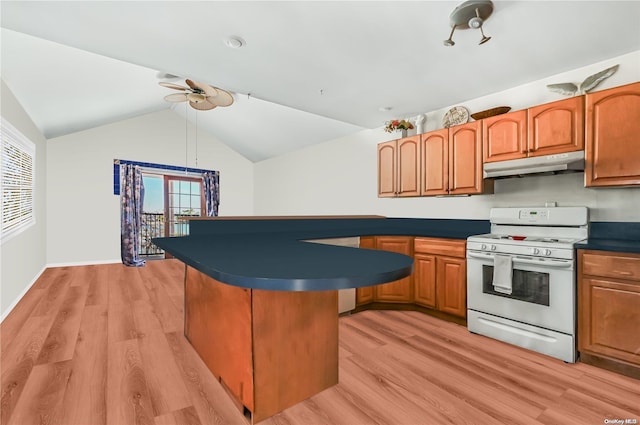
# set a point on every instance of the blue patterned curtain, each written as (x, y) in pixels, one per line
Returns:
(131, 201)
(211, 180)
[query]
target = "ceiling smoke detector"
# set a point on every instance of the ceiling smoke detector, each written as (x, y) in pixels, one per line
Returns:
(234, 42)
(470, 14)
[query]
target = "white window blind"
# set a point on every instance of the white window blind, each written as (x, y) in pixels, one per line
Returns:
(17, 181)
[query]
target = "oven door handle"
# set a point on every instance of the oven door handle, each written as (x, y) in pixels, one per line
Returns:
(558, 264)
(555, 264)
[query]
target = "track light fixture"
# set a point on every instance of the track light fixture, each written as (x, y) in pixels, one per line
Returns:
(470, 14)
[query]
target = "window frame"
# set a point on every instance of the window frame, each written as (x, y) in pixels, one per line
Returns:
(14, 137)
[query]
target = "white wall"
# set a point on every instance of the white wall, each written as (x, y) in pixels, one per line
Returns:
(83, 213)
(23, 257)
(340, 176)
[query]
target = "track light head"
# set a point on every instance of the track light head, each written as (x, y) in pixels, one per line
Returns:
(449, 41)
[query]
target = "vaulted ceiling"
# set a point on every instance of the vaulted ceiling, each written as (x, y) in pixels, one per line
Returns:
(308, 72)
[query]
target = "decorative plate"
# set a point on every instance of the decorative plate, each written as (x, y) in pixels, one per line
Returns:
(491, 112)
(454, 116)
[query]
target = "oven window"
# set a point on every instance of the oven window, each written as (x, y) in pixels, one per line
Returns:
(527, 286)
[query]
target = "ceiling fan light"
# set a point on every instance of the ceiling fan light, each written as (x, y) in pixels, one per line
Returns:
(475, 22)
(196, 97)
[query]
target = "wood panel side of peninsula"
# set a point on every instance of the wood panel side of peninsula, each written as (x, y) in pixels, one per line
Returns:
(270, 349)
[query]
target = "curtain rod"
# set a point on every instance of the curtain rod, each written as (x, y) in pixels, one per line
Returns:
(151, 165)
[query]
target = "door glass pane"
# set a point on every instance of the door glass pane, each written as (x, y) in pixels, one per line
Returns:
(527, 286)
(153, 220)
(184, 201)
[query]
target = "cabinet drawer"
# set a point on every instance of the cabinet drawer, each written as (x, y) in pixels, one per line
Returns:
(447, 247)
(609, 264)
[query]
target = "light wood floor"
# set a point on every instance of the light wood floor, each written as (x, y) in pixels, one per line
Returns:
(103, 345)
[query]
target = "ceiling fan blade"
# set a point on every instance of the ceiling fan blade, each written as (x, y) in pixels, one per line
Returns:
(191, 83)
(176, 97)
(208, 90)
(224, 98)
(172, 86)
(202, 106)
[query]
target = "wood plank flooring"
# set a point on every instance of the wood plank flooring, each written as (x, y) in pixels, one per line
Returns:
(103, 344)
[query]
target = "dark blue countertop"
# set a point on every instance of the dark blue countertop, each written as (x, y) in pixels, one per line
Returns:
(613, 236)
(271, 254)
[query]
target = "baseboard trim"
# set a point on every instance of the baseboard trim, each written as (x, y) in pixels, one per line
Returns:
(22, 294)
(84, 263)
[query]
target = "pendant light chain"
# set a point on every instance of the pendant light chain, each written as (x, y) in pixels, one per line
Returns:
(186, 140)
(196, 138)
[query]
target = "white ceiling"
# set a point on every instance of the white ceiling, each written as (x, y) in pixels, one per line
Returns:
(315, 71)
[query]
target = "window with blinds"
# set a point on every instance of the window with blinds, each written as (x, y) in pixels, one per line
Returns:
(17, 181)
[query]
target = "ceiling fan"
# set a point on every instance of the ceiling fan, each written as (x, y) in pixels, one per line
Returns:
(200, 96)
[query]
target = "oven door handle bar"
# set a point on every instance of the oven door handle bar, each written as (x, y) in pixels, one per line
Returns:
(555, 264)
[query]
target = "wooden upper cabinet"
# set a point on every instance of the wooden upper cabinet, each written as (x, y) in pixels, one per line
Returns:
(548, 129)
(400, 290)
(465, 159)
(435, 162)
(409, 166)
(556, 127)
(452, 161)
(505, 136)
(613, 137)
(399, 167)
(387, 169)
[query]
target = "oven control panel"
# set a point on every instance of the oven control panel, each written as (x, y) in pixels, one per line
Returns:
(545, 216)
(488, 247)
(534, 215)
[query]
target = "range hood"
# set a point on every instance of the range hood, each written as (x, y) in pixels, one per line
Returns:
(563, 162)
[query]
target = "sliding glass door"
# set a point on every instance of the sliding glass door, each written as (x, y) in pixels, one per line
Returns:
(168, 200)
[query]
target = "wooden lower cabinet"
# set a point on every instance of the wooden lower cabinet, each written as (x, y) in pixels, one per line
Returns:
(260, 344)
(399, 291)
(439, 279)
(365, 295)
(609, 310)
(424, 266)
(451, 285)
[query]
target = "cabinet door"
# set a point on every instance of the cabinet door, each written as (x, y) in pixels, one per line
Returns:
(435, 162)
(609, 318)
(387, 170)
(451, 285)
(612, 142)
(424, 280)
(399, 290)
(364, 295)
(556, 127)
(465, 159)
(505, 136)
(409, 166)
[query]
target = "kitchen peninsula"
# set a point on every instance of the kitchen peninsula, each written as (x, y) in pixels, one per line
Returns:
(261, 304)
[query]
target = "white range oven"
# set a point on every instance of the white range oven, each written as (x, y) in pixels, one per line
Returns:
(521, 278)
